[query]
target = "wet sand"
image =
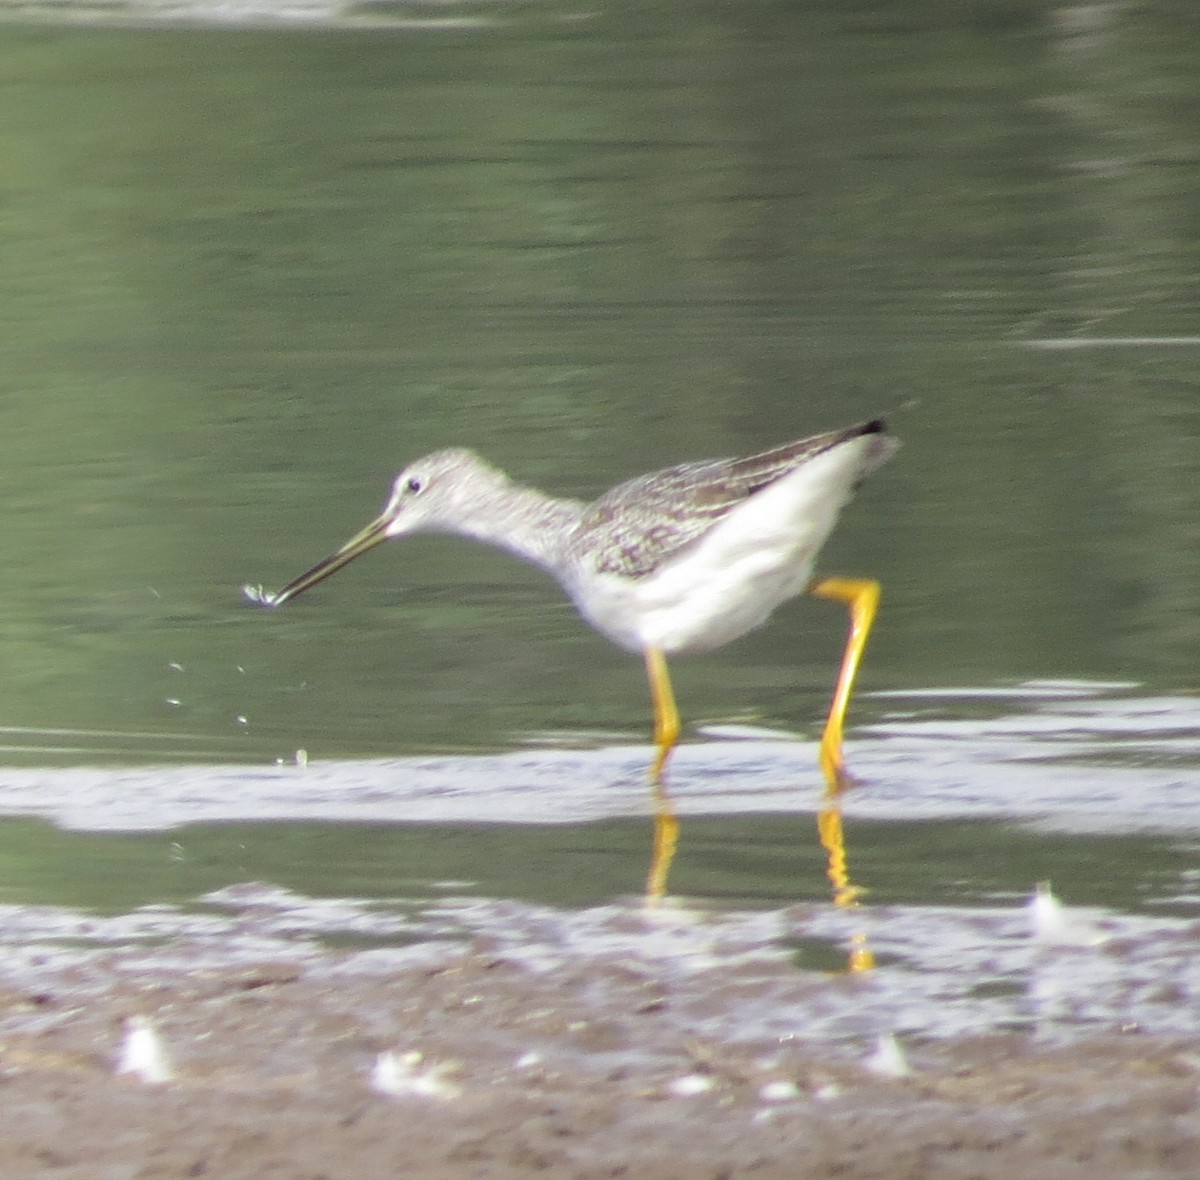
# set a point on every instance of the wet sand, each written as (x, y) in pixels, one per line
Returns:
(493, 1057)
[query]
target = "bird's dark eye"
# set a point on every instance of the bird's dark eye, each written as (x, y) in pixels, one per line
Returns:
(414, 485)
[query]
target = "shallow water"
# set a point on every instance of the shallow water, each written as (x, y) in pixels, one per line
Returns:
(1091, 786)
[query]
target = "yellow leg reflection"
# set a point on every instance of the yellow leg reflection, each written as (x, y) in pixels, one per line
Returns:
(862, 597)
(833, 840)
(666, 734)
(846, 894)
(666, 840)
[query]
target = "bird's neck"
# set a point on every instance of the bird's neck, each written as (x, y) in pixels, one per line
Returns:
(527, 523)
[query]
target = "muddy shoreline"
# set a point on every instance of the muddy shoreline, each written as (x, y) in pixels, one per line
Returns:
(480, 1057)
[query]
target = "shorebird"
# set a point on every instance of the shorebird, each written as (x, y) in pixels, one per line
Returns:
(680, 560)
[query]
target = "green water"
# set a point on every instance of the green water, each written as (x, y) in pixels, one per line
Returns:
(246, 274)
(747, 860)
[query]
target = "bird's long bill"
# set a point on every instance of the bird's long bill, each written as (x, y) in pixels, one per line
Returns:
(371, 536)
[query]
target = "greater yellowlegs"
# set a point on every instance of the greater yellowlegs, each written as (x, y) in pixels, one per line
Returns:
(680, 560)
(684, 559)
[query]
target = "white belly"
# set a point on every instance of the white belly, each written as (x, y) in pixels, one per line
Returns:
(683, 613)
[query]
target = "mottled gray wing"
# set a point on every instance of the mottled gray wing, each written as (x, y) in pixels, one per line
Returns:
(635, 527)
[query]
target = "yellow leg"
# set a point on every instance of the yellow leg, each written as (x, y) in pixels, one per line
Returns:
(862, 597)
(666, 715)
(666, 734)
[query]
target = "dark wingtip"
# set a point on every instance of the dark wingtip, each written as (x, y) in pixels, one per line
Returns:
(875, 426)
